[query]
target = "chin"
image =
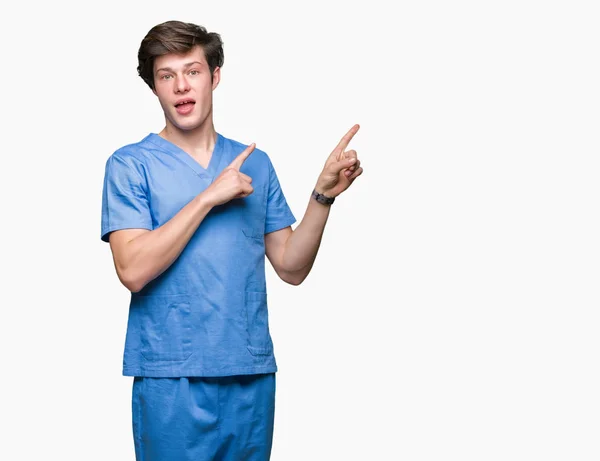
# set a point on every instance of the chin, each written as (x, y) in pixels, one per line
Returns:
(188, 124)
(185, 126)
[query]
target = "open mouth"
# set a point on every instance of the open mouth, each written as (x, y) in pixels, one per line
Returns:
(185, 106)
(184, 101)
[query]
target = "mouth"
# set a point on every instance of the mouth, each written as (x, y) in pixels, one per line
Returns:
(184, 101)
(185, 106)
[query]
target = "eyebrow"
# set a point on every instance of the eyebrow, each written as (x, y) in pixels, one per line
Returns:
(186, 65)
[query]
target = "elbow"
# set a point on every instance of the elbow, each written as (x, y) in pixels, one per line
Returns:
(133, 282)
(134, 287)
(294, 279)
(294, 282)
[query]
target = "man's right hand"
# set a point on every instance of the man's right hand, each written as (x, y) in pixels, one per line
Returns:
(231, 183)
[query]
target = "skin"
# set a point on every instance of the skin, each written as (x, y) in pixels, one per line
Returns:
(141, 255)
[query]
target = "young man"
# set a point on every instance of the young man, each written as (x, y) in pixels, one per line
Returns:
(191, 217)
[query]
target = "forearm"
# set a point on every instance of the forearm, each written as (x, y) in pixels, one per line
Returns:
(148, 255)
(303, 244)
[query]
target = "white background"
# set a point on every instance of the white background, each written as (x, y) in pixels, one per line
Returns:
(453, 310)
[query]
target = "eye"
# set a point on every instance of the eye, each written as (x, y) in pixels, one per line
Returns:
(194, 72)
(165, 77)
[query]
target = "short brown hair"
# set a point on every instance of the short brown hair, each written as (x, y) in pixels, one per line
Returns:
(177, 37)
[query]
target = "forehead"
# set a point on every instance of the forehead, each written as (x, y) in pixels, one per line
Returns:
(176, 61)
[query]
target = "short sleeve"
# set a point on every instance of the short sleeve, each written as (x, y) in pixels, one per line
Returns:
(279, 214)
(124, 197)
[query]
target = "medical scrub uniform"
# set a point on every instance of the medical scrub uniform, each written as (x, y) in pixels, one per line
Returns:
(198, 341)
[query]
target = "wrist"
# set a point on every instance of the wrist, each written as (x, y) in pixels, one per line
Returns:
(205, 200)
(322, 198)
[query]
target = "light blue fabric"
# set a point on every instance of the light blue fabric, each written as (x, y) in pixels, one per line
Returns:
(203, 419)
(207, 314)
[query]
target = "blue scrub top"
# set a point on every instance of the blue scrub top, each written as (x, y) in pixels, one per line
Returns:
(206, 315)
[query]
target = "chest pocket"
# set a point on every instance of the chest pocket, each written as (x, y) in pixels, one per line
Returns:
(255, 214)
(251, 214)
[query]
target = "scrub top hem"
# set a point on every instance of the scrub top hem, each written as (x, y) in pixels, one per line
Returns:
(198, 372)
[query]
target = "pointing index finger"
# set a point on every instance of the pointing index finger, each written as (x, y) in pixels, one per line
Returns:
(239, 160)
(341, 147)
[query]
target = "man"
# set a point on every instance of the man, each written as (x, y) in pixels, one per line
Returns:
(190, 216)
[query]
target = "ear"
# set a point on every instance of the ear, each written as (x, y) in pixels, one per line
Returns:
(216, 78)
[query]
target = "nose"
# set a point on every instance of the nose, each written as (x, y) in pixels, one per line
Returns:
(182, 85)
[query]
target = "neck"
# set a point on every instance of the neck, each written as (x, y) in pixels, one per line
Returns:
(198, 141)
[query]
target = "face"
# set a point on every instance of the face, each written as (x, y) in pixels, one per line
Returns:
(184, 88)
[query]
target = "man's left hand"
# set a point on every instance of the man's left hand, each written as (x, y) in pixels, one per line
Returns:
(341, 168)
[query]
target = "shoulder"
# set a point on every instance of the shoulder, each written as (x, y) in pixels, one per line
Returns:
(133, 155)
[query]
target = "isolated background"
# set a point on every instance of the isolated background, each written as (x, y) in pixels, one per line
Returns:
(453, 309)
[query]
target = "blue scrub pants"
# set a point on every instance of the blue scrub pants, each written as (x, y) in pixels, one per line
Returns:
(203, 419)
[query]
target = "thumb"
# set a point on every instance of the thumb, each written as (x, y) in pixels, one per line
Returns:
(240, 159)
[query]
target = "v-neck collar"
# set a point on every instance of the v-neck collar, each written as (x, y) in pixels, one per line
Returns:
(190, 161)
